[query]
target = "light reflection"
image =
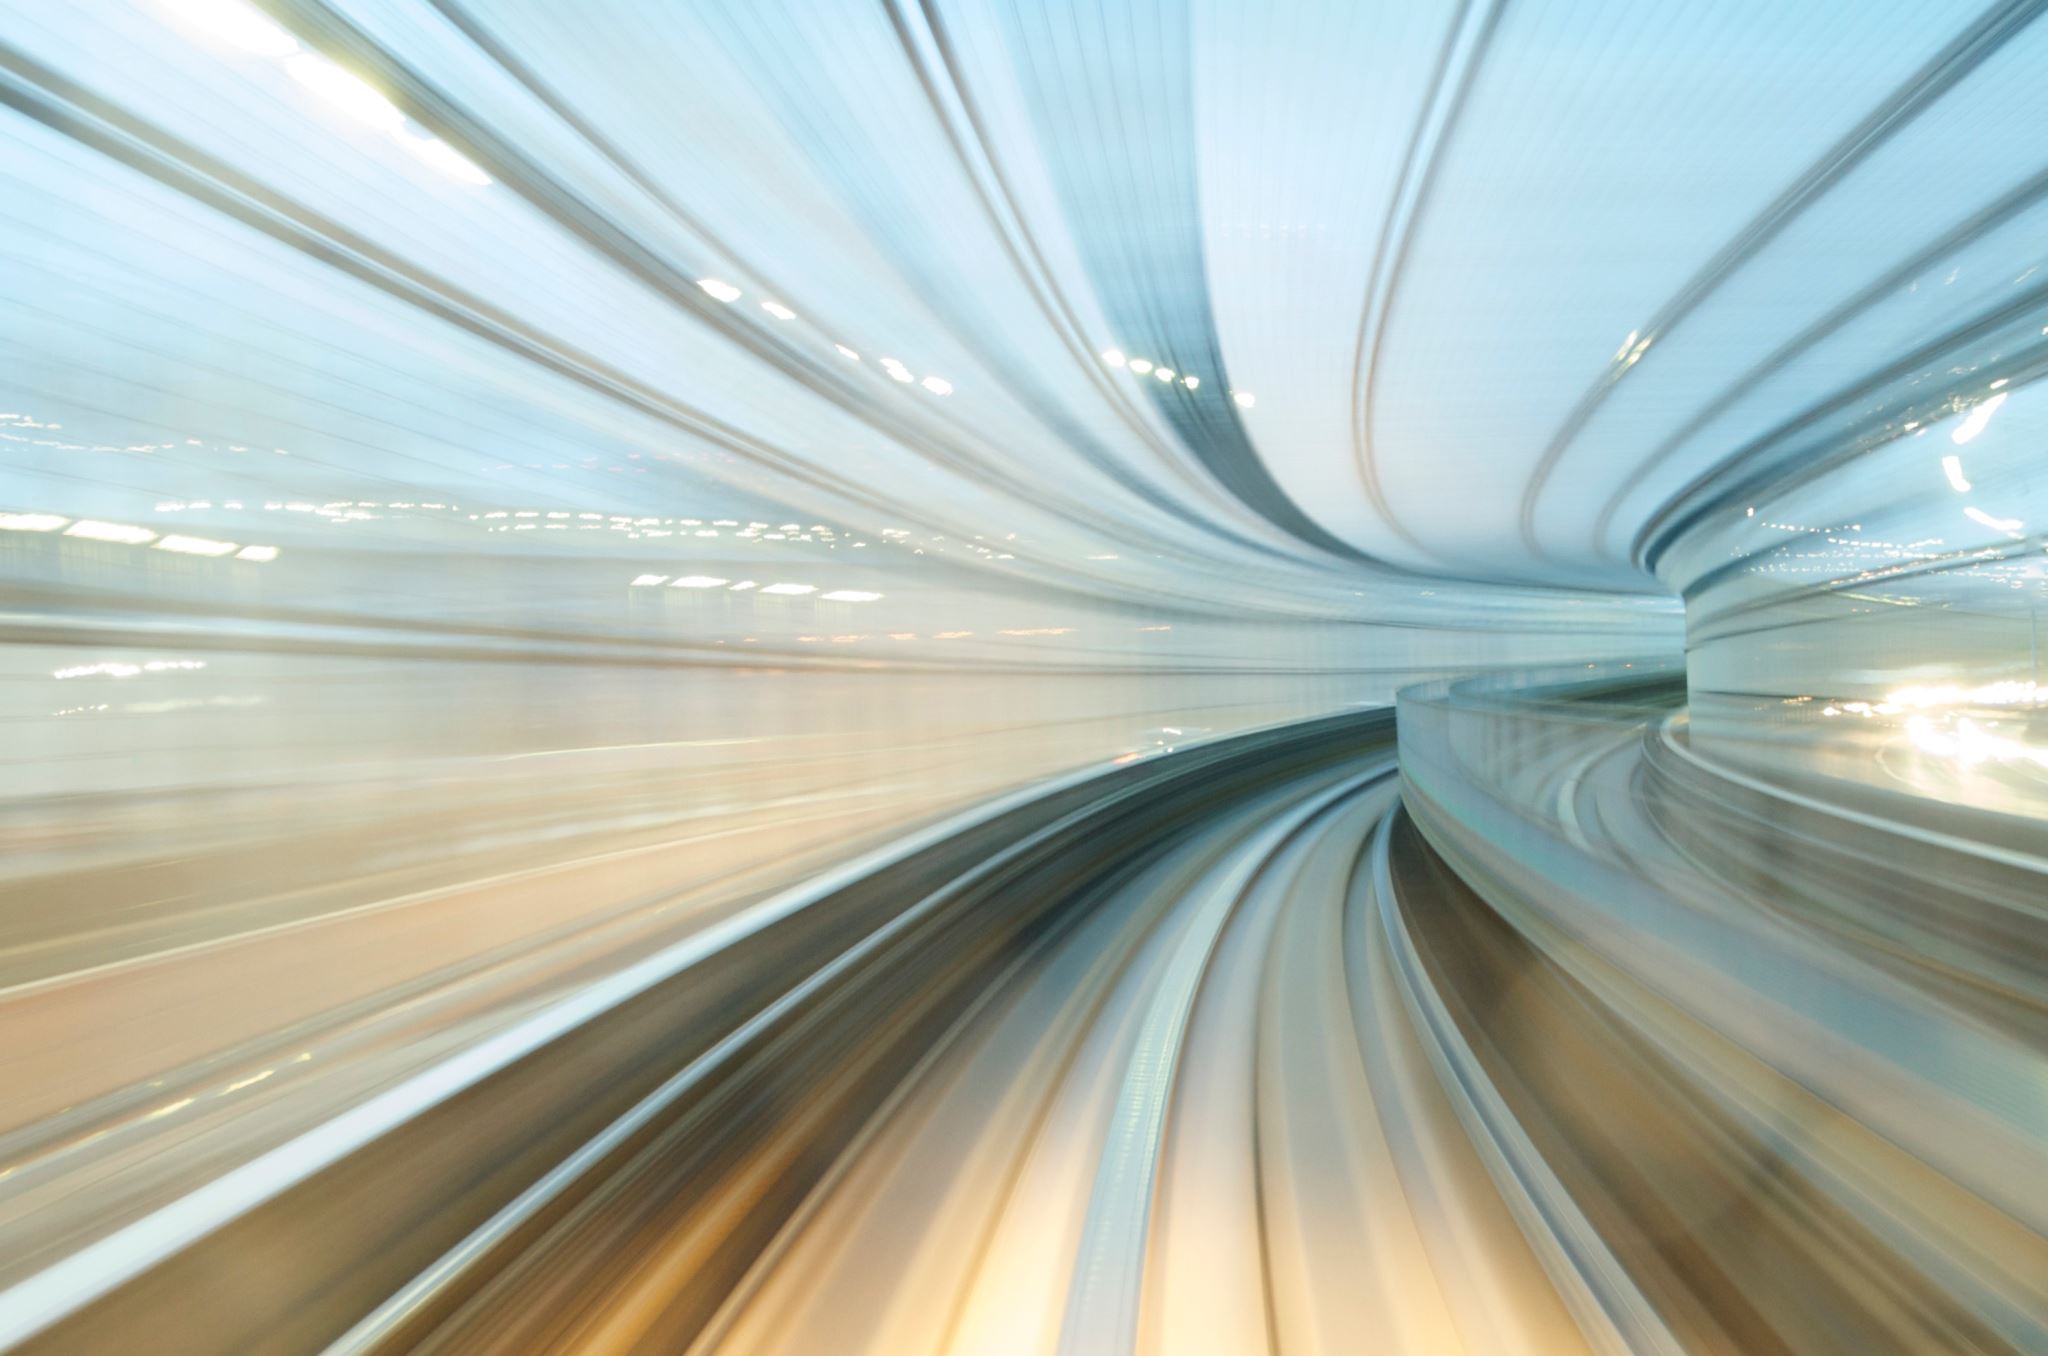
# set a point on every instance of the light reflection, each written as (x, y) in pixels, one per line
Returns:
(1969, 745)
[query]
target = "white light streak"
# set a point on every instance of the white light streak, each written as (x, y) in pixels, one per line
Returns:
(1977, 420)
(1952, 467)
(2010, 526)
(439, 155)
(719, 291)
(346, 92)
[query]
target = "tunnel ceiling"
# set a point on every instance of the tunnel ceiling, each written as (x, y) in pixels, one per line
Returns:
(1324, 295)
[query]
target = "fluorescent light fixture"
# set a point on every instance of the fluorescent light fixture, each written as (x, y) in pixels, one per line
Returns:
(195, 546)
(743, 586)
(849, 596)
(1113, 356)
(901, 373)
(648, 581)
(257, 553)
(698, 581)
(1164, 374)
(1245, 399)
(1191, 382)
(846, 352)
(719, 291)
(937, 385)
(1141, 366)
(93, 530)
(238, 23)
(346, 92)
(778, 310)
(791, 590)
(31, 522)
(1952, 467)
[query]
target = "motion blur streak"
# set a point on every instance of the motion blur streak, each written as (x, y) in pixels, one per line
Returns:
(1023, 676)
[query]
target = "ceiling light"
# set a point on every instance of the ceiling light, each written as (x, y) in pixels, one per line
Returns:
(93, 530)
(195, 546)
